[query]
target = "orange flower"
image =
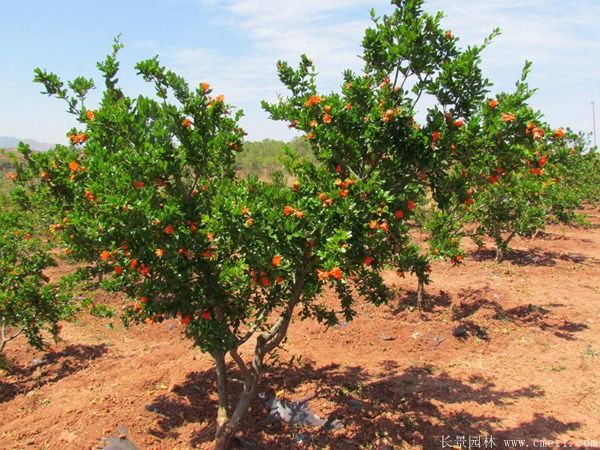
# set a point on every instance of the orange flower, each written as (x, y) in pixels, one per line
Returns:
(193, 227)
(133, 263)
(118, 270)
(144, 300)
(90, 114)
(187, 123)
(89, 196)
(493, 179)
(73, 166)
(373, 225)
(309, 136)
(208, 254)
(220, 98)
(327, 118)
(293, 124)
(336, 273)
(205, 87)
(145, 271)
(296, 186)
(493, 103)
(538, 134)
(185, 320)
(388, 115)
(210, 237)
(458, 123)
(276, 261)
(499, 170)
(385, 227)
(348, 106)
(368, 260)
(469, 201)
(322, 275)
(105, 255)
(448, 34)
(322, 196)
(559, 133)
(399, 214)
(169, 229)
(83, 137)
(288, 210)
(299, 214)
(205, 315)
(508, 117)
(313, 101)
(249, 222)
(313, 123)
(338, 169)
(159, 252)
(279, 280)
(138, 184)
(542, 161)
(344, 193)
(264, 280)
(410, 205)
(11, 176)
(245, 211)
(435, 136)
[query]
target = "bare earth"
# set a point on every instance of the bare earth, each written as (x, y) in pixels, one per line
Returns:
(526, 368)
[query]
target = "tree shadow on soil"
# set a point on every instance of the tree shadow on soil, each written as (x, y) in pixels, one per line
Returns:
(408, 301)
(533, 257)
(477, 301)
(473, 309)
(50, 368)
(416, 406)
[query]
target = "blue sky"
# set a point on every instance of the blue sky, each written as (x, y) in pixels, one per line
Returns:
(234, 45)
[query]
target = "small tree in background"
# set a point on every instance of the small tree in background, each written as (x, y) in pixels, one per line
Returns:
(516, 169)
(29, 304)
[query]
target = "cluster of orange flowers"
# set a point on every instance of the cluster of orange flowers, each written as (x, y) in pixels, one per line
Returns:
(335, 273)
(77, 138)
(537, 132)
(289, 210)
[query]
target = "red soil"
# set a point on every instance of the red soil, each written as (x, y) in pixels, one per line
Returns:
(526, 368)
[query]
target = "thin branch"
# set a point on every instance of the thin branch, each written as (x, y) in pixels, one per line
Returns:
(241, 364)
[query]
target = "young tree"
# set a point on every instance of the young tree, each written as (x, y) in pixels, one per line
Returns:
(147, 195)
(29, 304)
(513, 164)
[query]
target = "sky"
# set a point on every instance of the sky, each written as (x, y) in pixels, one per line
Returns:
(235, 44)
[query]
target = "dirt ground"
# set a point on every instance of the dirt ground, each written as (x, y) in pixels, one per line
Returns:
(524, 365)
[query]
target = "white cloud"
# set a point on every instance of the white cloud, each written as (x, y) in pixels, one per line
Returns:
(560, 37)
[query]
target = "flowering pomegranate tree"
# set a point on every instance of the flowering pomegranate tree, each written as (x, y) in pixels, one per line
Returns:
(29, 303)
(146, 194)
(368, 130)
(512, 170)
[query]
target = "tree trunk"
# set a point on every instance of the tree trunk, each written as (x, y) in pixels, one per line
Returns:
(421, 295)
(499, 254)
(228, 422)
(223, 409)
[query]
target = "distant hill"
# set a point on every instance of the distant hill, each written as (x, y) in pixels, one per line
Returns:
(13, 142)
